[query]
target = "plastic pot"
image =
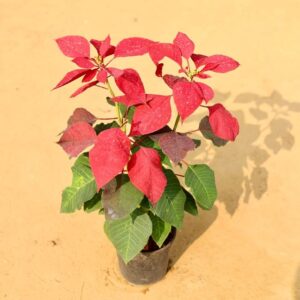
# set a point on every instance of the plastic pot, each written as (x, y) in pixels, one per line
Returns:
(148, 266)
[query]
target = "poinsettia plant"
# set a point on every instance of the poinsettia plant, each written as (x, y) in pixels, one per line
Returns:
(129, 172)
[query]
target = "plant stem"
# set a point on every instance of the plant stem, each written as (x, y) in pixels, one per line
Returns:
(185, 163)
(179, 175)
(116, 104)
(176, 122)
(106, 119)
(189, 132)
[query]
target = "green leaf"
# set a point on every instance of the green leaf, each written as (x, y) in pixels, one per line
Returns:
(120, 197)
(197, 142)
(129, 235)
(130, 112)
(201, 180)
(205, 128)
(160, 230)
(102, 126)
(190, 204)
(94, 204)
(83, 186)
(170, 207)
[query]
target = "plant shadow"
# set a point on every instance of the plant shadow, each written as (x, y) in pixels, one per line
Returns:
(193, 228)
(240, 167)
(297, 285)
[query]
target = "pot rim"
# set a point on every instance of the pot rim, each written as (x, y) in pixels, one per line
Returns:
(173, 233)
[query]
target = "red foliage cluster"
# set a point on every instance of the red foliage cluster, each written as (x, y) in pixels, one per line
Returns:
(112, 150)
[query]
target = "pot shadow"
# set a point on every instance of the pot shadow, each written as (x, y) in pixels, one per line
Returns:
(193, 227)
(297, 285)
(265, 130)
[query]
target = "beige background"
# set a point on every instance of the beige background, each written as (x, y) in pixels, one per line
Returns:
(247, 247)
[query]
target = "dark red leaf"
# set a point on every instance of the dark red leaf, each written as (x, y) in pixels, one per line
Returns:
(90, 75)
(109, 155)
(222, 123)
(83, 62)
(74, 46)
(81, 115)
(77, 137)
(159, 69)
(206, 91)
(145, 173)
(131, 85)
(185, 44)
(187, 98)
(160, 50)
(102, 75)
(170, 80)
(175, 145)
(198, 59)
(219, 63)
(83, 88)
(151, 116)
(71, 76)
(133, 46)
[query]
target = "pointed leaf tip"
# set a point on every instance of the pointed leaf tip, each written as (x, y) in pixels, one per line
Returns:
(74, 46)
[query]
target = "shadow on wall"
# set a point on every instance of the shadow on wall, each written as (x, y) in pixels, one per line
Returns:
(240, 166)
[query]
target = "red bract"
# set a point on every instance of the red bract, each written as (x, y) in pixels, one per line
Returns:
(145, 173)
(77, 137)
(130, 83)
(222, 123)
(215, 63)
(109, 155)
(160, 50)
(187, 97)
(79, 48)
(74, 46)
(133, 46)
(185, 44)
(151, 116)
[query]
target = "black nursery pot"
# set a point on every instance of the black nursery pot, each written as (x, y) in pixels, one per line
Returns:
(148, 266)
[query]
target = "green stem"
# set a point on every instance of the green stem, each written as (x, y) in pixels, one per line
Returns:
(176, 122)
(116, 104)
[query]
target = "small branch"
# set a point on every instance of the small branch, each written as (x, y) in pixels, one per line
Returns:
(103, 119)
(185, 163)
(109, 62)
(176, 122)
(189, 132)
(102, 87)
(116, 104)
(179, 175)
(204, 106)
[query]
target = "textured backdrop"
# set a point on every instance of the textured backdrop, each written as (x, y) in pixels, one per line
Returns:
(247, 247)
